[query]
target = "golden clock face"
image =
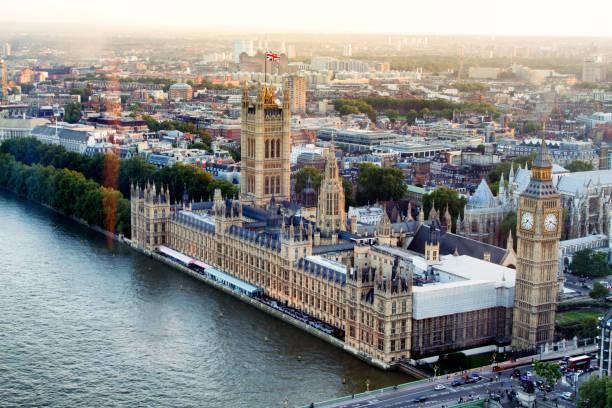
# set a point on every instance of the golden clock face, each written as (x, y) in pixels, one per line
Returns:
(527, 221)
(550, 222)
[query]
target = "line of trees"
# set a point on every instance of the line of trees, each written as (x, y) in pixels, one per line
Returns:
(67, 191)
(410, 108)
(109, 171)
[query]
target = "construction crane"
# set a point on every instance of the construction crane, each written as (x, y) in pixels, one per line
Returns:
(4, 86)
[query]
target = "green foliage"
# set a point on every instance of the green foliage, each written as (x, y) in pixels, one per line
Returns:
(198, 145)
(67, 191)
(236, 154)
(579, 165)
(84, 92)
(155, 126)
(443, 196)
(379, 184)
(599, 291)
(392, 114)
(453, 362)
(588, 327)
(595, 393)
(210, 85)
(504, 167)
(508, 225)
(531, 127)
(587, 262)
(302, 176)
(348, 193)
(581, 305)
(586, 85)
(72, 112)
(549, 371)
(480, 148)
(470, 86)
(437, 107)
(353, 106)
(27, 88)
(135, 170)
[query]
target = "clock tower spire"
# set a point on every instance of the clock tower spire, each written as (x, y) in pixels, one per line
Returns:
(538, 234)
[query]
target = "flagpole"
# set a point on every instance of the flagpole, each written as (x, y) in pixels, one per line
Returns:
(265, 69)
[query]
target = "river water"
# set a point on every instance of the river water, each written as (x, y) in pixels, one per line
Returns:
(87, 322)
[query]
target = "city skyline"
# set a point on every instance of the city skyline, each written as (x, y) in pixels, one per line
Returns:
(475, 17)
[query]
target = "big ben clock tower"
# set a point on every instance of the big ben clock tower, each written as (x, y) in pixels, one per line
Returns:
(538, 232)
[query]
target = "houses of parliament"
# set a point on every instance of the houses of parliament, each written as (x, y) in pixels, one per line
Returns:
(406, 290)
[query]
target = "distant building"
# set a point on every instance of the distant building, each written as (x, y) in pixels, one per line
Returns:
(593, 70)
(6, 50)
(297, 93)
(347, 50)
(13, 128)
(241, 46)
(483, 73)
(483, 215)
(180, 91)
(74, 138)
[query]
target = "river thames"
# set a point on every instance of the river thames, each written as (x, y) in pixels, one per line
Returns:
(88, 322)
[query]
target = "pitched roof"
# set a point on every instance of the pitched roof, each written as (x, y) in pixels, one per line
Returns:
(449, 242)
(482, 197)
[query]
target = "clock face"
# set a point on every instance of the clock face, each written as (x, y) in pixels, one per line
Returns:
(550, 222)
(527, 221)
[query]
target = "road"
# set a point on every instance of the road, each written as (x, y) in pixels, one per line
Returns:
(406, 394)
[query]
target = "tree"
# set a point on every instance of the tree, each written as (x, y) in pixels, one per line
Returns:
(589, 263)
(236, 154)
(549, 371)
(480, 148)
(588, 327)
(392, 114)
(452, 362)
(348, 110)
(531, 127)
(579, 165)
(508, 225)
(348, 193)
(198, 145)
(379, 184)
(599, 291)
(596, 393)
(72, 112)
(302, 176)
(442, 197)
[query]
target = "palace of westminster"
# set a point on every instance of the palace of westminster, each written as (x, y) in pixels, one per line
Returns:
(406, 290)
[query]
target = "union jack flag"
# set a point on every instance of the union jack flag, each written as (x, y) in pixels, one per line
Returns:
(272, 57)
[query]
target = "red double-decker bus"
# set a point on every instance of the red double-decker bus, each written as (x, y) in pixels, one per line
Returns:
(579, 363)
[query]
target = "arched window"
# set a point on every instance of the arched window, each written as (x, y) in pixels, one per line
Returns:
(278, 148)
(272, 149)
(163, 213)
(267, 149)
(267, 189)
(277, 184)
(155, 214)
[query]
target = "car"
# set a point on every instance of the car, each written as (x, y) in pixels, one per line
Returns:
(420, 399)
(470, 380)
(475, 375)
(439, 387)
(528, 373)
(456, 383)
(495, 397)
(539, 383)
(566, 396)
(565, 358)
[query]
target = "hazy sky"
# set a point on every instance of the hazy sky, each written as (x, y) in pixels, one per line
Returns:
(511, 17)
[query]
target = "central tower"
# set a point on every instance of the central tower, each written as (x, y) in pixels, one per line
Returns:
(265, 147)
(538, 232)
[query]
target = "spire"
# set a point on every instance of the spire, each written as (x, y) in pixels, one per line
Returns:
(510, 242)
(511, 174)
(542, 160)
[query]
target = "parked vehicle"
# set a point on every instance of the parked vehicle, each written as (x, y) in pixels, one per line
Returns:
(566, 396)
(439, 387)
(420, 399)
(456, 383)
